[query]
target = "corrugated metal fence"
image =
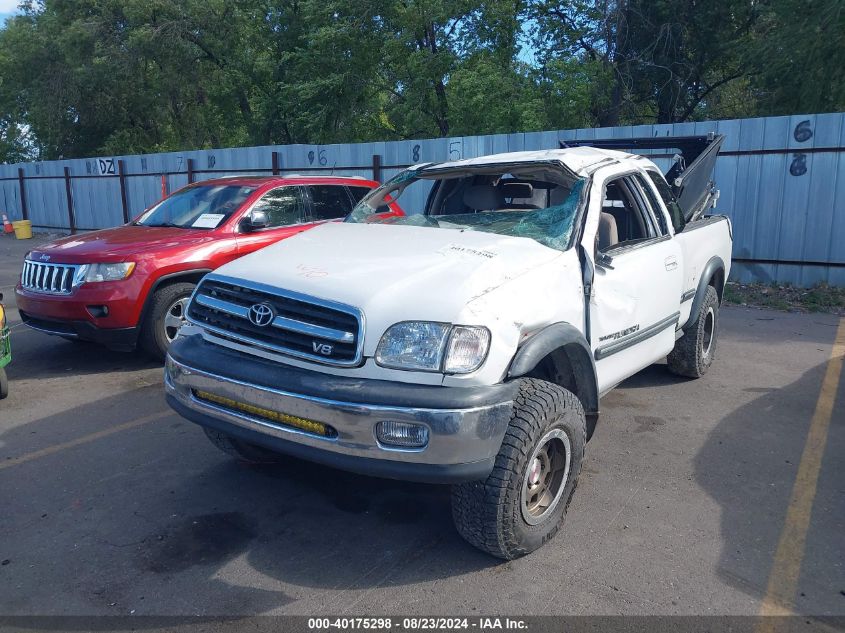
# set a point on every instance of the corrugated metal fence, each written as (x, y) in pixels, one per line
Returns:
(782, 182)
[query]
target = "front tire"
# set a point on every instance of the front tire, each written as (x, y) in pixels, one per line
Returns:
(4, 383)
(522, 503)
(164, 318)
(694, 351)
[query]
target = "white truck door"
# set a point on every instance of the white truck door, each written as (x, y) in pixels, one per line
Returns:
(636, 287)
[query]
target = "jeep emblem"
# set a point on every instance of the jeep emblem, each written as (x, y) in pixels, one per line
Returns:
(261, 314)
(322, 348)
(45, 258)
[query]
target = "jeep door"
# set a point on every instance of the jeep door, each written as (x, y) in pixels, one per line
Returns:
(287, 215)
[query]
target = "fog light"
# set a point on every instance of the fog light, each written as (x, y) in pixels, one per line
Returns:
(98, 312)
(402, 434)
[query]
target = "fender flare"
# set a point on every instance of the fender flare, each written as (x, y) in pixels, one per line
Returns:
(193, 272)
(566, 337)
(713, 265)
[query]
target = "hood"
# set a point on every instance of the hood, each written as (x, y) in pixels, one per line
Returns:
(119, 243)
(395, 273)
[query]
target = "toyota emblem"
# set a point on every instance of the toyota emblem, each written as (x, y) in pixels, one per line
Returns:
(261, 314)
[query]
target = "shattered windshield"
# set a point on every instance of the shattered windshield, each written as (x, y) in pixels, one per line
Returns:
(533, 200)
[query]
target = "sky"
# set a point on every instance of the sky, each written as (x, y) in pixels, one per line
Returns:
(7, 9)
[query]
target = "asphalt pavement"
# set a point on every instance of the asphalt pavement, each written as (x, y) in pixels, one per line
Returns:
(698, 497)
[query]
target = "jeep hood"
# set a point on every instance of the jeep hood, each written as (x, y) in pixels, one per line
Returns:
(119, 243)
(395, 273)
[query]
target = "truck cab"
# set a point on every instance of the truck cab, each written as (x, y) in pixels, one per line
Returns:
(466, 342)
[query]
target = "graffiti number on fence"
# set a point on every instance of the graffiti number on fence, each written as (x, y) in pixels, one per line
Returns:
(320, 155)
(105, 166)
(415, 153)
(803, 132)
(455, 150)
(212, 161)
(799, 165)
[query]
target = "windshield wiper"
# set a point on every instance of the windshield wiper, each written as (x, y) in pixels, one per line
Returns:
(169, 225)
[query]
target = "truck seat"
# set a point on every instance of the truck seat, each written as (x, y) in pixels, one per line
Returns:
(608, 235)
(484, 198)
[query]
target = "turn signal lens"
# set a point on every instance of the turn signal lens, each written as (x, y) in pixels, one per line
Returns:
(467, 349)
(402, 434)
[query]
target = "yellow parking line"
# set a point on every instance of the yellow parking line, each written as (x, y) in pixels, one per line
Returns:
(85, 439)
(786, 567)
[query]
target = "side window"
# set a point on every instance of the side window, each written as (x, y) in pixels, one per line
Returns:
(623, 218)
(650, 200)
(329, 202)
(675, 212)
(358, 193)
(283, 206)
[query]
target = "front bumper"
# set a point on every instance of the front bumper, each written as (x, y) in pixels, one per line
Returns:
(123, 339)
(466, 426)
(123, 300)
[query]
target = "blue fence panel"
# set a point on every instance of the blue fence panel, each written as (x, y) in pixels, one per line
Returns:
(780, 178)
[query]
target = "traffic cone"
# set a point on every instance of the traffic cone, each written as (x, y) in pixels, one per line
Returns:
(7, 226)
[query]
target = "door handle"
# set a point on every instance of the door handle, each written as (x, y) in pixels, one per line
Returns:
(671, 262)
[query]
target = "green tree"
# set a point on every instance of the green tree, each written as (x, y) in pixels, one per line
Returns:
(651, 60)
(797, 56)
(88, 77)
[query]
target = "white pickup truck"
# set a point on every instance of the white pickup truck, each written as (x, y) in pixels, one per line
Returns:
(469, 341)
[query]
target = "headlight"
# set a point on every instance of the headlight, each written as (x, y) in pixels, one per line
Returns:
(106, 272)
(2, 317)
(427, 346)
(413, 345)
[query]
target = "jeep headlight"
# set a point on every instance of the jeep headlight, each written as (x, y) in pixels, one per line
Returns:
(428, 346)
(2, 317)
(106, 272)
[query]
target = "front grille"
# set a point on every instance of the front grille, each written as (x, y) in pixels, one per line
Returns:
(57, 279)
(296, 325)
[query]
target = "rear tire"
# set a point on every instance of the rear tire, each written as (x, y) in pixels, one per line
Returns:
(4, 383)
(242, 451)
(522, 503)
(164, 318)
(694, 351)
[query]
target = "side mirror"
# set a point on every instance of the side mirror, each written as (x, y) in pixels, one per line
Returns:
(604, 260)
(255, 220)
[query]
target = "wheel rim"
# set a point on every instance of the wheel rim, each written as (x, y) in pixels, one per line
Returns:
(174, 318)
(709, 331)
(546, 476)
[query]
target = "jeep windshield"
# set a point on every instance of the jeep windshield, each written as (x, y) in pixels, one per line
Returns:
(197, 207)
(533, 200)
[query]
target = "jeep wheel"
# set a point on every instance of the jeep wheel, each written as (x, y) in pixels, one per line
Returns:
(4, 383)
(521, 504)
(242, 450)
(164, 318)
(694, 351)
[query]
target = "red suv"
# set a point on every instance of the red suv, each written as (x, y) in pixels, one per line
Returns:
(128, 286)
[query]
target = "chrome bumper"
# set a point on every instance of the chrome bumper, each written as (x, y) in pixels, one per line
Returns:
(456, 436)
